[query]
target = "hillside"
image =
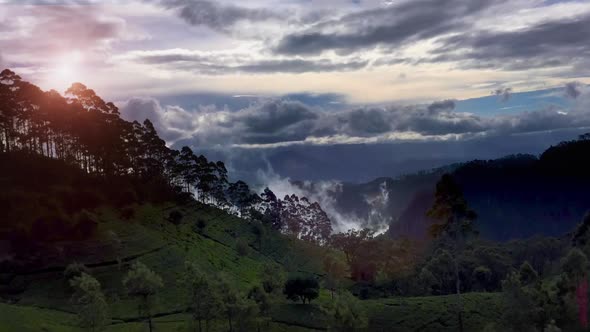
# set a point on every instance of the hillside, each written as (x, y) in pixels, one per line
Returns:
(35, 296)
(515, 197)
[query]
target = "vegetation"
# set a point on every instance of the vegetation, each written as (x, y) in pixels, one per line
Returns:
(143, 284)
(107, 228)
(90, 302)
(302, 289)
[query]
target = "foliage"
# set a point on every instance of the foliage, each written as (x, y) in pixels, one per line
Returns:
(144, 284)
(240, 310)
(273, 279)
(335, 271)
(75, 269)
(521, 310)
(204, 300)
(175, 217)
(242, 247)
(90, 302)
(302, 289)
(346, 313)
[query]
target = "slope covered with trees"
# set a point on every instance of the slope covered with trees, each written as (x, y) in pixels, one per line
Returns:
(95, 157)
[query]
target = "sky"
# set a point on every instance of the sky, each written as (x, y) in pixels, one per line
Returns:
(321, 89)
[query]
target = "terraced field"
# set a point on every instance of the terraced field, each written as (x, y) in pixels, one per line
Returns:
(39, 300)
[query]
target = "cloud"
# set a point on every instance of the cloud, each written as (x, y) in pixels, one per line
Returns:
(572, 90)
(61, 28)
(220, 63)
(325, 192)
(172, 123)
(276, 123)
(394, 25)
(547, 44)
(218, 17)
(504, 94)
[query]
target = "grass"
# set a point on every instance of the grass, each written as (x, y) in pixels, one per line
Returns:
(43, 304)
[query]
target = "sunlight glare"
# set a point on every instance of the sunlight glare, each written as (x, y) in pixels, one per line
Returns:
(67, 70)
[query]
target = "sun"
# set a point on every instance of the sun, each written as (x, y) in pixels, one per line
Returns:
(67, 69)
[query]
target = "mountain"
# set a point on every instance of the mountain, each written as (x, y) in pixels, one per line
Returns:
(516, 196)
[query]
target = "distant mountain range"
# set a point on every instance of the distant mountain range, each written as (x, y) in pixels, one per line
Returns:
(515, 197)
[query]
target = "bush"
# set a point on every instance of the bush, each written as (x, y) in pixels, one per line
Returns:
(85, 226)
(199, 226)
(302, 289)
(74, 270)
(175, 217)
(242, 247)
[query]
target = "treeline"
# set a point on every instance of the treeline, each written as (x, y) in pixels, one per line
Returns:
(82, 129)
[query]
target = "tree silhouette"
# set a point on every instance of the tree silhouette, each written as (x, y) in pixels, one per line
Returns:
(455, 227)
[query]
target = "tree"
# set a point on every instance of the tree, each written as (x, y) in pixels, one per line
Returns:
(90, 302)
(237, 308)
(528, 275)
(264, 301)
(305, 219)
(143, 284)
(302, 289)
(335, 271)
(241, 197)
(522, 311)
(575, 267)
(74, 270)
(346, 313)
(482, 276)
(273, 278)
(271, 209)
(455, 226)
(351, 241)
(204, 300)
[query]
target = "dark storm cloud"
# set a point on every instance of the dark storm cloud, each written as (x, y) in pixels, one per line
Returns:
(547, 44)
(218, 64)
(394, 25)
(216, 16)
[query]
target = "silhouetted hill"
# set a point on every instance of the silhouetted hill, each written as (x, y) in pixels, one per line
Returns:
(515, 197)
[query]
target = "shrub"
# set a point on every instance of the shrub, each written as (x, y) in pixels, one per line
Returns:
(242, 247)
(175, 217)
(200, 226)
(85, 226)
(75, 269)
(302, 289)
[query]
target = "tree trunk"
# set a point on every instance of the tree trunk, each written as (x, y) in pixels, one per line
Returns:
(231, 328)
(459, 299)
(150, 323)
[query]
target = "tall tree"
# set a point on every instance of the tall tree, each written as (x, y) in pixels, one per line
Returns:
(204, 300)
(90, 302)
(143, 284)
(455, 226)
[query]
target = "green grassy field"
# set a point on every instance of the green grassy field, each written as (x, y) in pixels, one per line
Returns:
(41, 299)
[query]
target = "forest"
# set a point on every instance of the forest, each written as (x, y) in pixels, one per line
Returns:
(105, 227)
